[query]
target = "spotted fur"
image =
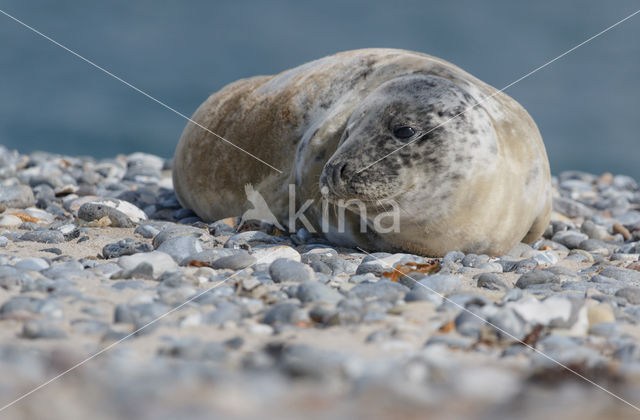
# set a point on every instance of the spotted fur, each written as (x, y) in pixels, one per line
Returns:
(476, 178)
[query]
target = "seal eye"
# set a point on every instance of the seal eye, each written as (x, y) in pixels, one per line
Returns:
(403, 132)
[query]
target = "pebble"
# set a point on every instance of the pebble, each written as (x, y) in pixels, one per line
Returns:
(536, 277)
(97, 211)
(593, 230)
(490, 281)
(442, 284)
(125, 246)
(630, 294)
(181, 247)
(39, 328)
(17, 196)
(159, 261)
(382, 289)
(282, 313)
(311, 291)
(600, 313)
(286, 270)
(43, 236)
(234, 262)
(32, 264)
(268, 254)
(10, 221)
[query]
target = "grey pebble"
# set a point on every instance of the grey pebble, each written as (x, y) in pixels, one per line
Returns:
(536, 277)
(125, 246)
(439, 283)
(95, 211)
(281, 313)
(17, 196)
(43, 236)
(286, 270)
(312, 291)
(39, 328)
(571, 208)
(234, 262)
(490, 281)
(181, 247)
(33, 264)
(630, 294)
(382, 289)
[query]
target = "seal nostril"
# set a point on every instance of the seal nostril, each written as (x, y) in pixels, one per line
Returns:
(342, 168)
(337, 172)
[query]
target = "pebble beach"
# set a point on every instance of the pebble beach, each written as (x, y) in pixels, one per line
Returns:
(149, 312)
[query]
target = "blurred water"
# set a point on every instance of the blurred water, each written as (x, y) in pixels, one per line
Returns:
(586, 104)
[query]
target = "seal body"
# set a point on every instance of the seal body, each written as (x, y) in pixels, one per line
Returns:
(453, 162)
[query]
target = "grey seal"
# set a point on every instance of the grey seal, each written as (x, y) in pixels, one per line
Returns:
(462, 164)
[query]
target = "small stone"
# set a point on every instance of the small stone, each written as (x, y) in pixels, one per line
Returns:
(225, 312)
(520, 249)
(571, 208)
(618, 228)
(421, 294)
(605, 329)
(473, 260)
(234, 262)
(63, 270)
(453, 257)
(286, 270)
(536, 277)
(175, 231)
(260, 329)
(570, 238)
(32, 264)
(621, 274)
(181, 247)
(545, 258)
(160, 261)
(9, 221)
(601, 312)
(581, 255)
(593, 230)
(281, 313)
(631, 294)
(312, 291)
(125, 246)
(442, 284)
(490, 281)
(382, 289)
(43, 236)
(208, 256)
(250, 284)
(16, 196)
(39, 328)
(268, 254)
(98, 211)
(147, 231)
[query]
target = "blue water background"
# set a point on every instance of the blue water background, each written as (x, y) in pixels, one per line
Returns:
(587, 104)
